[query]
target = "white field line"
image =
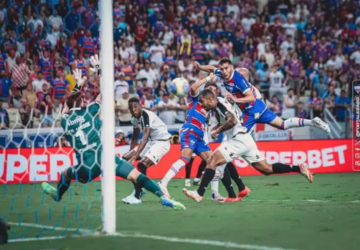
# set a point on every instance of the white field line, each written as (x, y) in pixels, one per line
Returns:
(226, 244)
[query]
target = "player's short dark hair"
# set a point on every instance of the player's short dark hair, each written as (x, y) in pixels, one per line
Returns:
(211, 84)
(74, 100)
(134, 99)
(225, 60)
(207, 93)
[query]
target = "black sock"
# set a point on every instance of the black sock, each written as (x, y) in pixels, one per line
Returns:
(188, 168)
(201, 169)
(63, 186)
(142, 168)
(226, 181)
(279, 168)
(235, 176)
(208, 176)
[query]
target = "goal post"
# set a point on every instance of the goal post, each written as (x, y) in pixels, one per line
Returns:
(108, 117)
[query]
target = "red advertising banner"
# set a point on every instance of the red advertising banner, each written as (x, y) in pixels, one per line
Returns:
(46, 164)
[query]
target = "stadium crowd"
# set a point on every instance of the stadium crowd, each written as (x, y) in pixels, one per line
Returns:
(302, 54)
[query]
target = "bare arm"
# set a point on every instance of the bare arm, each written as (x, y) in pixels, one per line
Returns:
(194, 90)
(207, 68)
(229, 123)
(248, 97)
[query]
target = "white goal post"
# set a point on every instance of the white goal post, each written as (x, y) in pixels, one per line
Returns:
(108, 117)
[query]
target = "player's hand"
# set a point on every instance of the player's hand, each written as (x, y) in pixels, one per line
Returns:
(196, 65)
(214, 134)
(79, 80)
(212, 76)
(95, 64)
(230, 97)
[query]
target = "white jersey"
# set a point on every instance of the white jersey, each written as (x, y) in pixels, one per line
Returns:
(224, 107)
(149, 119)
(276, 79)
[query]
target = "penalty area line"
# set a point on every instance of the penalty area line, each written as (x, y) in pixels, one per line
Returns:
(90, 233)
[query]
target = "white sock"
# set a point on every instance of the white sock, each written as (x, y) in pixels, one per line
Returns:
(174, 169)
(197, 179)
(296, 122)
(215, 186)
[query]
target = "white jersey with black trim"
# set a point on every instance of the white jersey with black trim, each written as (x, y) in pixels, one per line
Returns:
(224, 107)
(149, 119)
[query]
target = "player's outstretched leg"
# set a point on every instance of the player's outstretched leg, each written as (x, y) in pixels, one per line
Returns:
(243, 190)
(63, 185)
(280, 168)
(126, 170)
(199, 173)
(300, 122)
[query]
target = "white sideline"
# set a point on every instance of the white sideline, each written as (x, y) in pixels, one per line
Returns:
(138, 235)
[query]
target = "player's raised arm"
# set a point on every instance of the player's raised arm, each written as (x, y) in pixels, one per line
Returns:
(207, 68)
(248, 97)
(194, 90)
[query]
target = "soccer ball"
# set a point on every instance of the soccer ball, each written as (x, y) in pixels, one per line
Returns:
(180, 87)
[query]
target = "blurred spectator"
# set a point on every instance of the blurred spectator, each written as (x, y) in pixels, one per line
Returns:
(29, 96)
(163, 87)
(120, 85)
(88, 98)
(290, 104)
(355, 56)
(55, 20)
(262, 76)
(315, 103)
(60, 88)
(157, 53)
(275, 106)
(39, 82)
(144, 86)
(329, 92)
(293, 71)
(167, 110)
(25, 114)
(5, 84)
(181, 113)
(276, 82)
(321, 87)
(122, 107)
(301, 112)
(147, 101)
(342, 105)
(287, 44)
(20, 74)
(4, 117)
(148, 74)
(46, 111)
(62, 142)
(15, 100)
(120, 139)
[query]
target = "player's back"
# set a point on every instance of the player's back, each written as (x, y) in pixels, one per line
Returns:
(196, 117)
(82, 129)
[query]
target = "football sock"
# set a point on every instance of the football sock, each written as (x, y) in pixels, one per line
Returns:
(295, 123)
(226, 180)
(208, 176)
(188, 168)
(63, 185)
(215, 186)
(279, 168)
(235, 176)
(148, 184)
(201, 169)
(142, 168)
(174, 169)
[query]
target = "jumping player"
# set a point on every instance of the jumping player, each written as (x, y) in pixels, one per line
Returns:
(155, 143)
(254, 110)
(81, 126)
(239, 144)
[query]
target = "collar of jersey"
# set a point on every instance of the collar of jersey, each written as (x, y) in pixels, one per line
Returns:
(230, 77)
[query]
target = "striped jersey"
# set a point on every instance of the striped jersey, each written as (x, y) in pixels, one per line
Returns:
(238, 86)
(196, 117)
(81, 64)
(198, 50)
(88, 45)
(46, 68)
(59, 87)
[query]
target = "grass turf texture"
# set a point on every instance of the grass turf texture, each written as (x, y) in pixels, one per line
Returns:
(282, 211)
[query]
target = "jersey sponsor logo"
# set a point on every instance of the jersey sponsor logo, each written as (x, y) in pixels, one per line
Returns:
(79, 119)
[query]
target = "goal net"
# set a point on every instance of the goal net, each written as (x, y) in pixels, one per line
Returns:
(33, 147)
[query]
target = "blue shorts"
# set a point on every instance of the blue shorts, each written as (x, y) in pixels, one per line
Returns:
(189, 139)
(249, 119)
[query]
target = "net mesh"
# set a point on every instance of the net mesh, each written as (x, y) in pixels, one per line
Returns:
(32, 154)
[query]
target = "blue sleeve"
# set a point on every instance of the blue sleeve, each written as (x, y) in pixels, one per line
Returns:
(4, 56)
(217, 72)
(52, 83)
(337, 100)
(66, 82)
(240, 82)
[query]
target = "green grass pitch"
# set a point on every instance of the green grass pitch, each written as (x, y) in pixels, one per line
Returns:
(282, 211)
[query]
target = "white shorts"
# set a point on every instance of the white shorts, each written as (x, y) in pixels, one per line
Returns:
(155, 150)
(242, 145)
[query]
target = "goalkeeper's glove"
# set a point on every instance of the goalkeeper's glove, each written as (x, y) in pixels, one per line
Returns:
(79, 80)
(95, 65)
